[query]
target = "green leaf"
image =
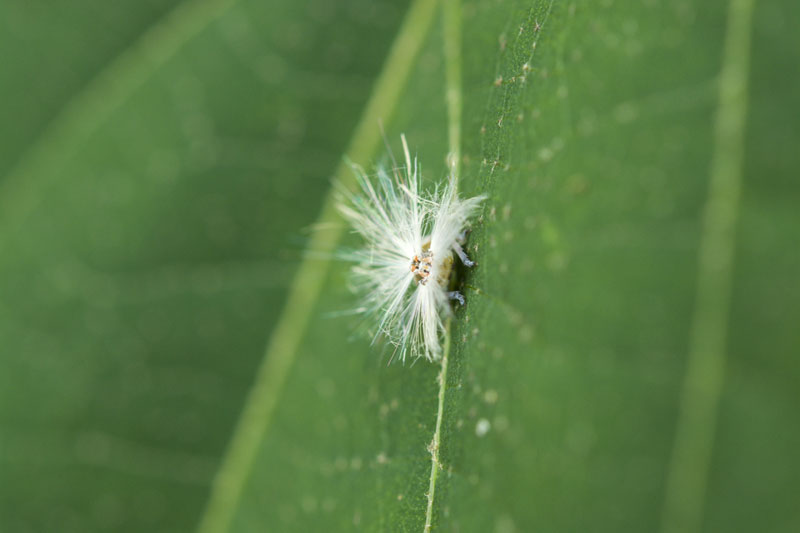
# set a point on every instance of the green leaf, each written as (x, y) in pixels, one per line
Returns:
(52, 51)
(627, 358)
(148, 233)
(586, 388)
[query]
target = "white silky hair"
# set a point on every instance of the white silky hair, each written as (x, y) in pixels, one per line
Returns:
(399, 223)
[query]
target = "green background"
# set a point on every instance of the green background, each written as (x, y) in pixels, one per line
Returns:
(163, 166)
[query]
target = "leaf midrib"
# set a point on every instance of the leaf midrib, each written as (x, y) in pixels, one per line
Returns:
(451, 21)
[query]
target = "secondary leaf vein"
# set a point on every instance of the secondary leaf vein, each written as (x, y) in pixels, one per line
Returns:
(303, 292)
(703, 382)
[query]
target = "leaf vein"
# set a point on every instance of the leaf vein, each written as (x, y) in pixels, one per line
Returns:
(305, 288)
(703, 382)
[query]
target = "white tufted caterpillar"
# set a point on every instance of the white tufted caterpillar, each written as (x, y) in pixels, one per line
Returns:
(411, 240)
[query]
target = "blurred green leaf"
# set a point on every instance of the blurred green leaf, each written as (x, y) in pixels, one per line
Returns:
(51, 51)
(152, 212)
(143, 249)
